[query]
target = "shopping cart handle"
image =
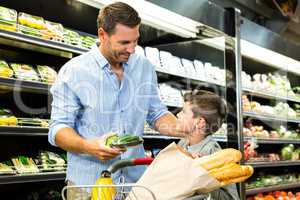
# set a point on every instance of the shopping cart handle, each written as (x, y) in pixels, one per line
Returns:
(128, 162)
(142, 161)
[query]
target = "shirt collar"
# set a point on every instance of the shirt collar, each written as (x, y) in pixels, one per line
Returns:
(102, 60)
(200, 145)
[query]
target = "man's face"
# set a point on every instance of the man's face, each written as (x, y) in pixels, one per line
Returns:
(120, 44)
(186, 117)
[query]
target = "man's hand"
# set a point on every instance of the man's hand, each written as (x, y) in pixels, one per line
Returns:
(98, 149)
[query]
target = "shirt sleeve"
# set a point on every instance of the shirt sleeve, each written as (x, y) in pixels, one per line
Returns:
(65, 105)
(156, 107)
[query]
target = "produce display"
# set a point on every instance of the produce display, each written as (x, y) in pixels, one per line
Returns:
(33, 122)
(49, 161)
(48, 75)
(8, 19)
(24, 165)
(5, 71)
(24, 72)
(277, 195)
(5, 169)
(87, 41)
(123, 141)
(7, 118)
(282, 132)
(45, 161)
(281, 109)
(71, 37)
(266, 180)
(269, 83)
(53, 31)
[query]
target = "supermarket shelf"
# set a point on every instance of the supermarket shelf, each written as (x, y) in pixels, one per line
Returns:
(277, 141)
(193, 79)
(270, 95)
(269, 118)
(21, 40)
(272, 188)
(20, 85)
(39, 177)
(158, 136)
(273, 164)
(23, 131)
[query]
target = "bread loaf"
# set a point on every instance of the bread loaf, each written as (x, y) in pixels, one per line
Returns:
(220, 158)
(231, 171)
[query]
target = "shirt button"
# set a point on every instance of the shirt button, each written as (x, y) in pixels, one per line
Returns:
(122, 110)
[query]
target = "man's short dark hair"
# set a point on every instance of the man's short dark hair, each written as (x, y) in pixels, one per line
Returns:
(119, 12)
(209, 106)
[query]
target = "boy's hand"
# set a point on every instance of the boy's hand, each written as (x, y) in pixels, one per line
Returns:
(196, 155)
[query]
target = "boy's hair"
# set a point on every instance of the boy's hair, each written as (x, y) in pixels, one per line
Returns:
(209, 106)
(115, 13)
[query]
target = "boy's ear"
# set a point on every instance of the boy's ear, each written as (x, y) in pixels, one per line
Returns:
(201, 123)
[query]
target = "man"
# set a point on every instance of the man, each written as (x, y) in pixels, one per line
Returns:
(108, 89)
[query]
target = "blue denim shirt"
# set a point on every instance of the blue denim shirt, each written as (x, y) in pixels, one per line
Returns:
(89, 98)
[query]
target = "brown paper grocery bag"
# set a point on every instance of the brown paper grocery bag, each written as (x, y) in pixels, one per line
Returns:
(173, 175)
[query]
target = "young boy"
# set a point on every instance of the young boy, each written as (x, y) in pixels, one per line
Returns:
(203, 114)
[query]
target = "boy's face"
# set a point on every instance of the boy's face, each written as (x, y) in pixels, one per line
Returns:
(186, 117)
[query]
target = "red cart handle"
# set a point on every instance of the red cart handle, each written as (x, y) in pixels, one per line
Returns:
(129, 162)
(142, 161)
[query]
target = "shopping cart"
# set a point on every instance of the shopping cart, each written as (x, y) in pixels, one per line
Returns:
(122, 190)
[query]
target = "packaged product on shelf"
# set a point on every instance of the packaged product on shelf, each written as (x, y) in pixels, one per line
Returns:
(166, 59)
(8, 19)
(31, 21)
(6, 169)
(5, 70)
(189, 68)
(71, 37)
(24, 165)
(153, 55)
(49, 161)
(53, 31)
(200, 71)
(48, 75)
(139, 50)
(33, 122)
(7, 118)
(87, 41)
(24, 72)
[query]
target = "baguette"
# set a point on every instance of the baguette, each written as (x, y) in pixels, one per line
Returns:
(220, 158)
(231, 171)
(237, 180)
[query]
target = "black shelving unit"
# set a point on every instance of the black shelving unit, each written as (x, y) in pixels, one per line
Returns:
(27, 178)
(272, 188)
(273, 164)
(22, 85)
(23, 131)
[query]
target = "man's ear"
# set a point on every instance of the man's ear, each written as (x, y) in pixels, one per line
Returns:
(201, 123)
(101, 34)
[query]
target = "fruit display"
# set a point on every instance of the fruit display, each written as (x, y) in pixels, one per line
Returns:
(5, 70)
(280, 109)
(47, 74)
(265, 180)
(24, 72)
(8, 19)
(276, 195)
